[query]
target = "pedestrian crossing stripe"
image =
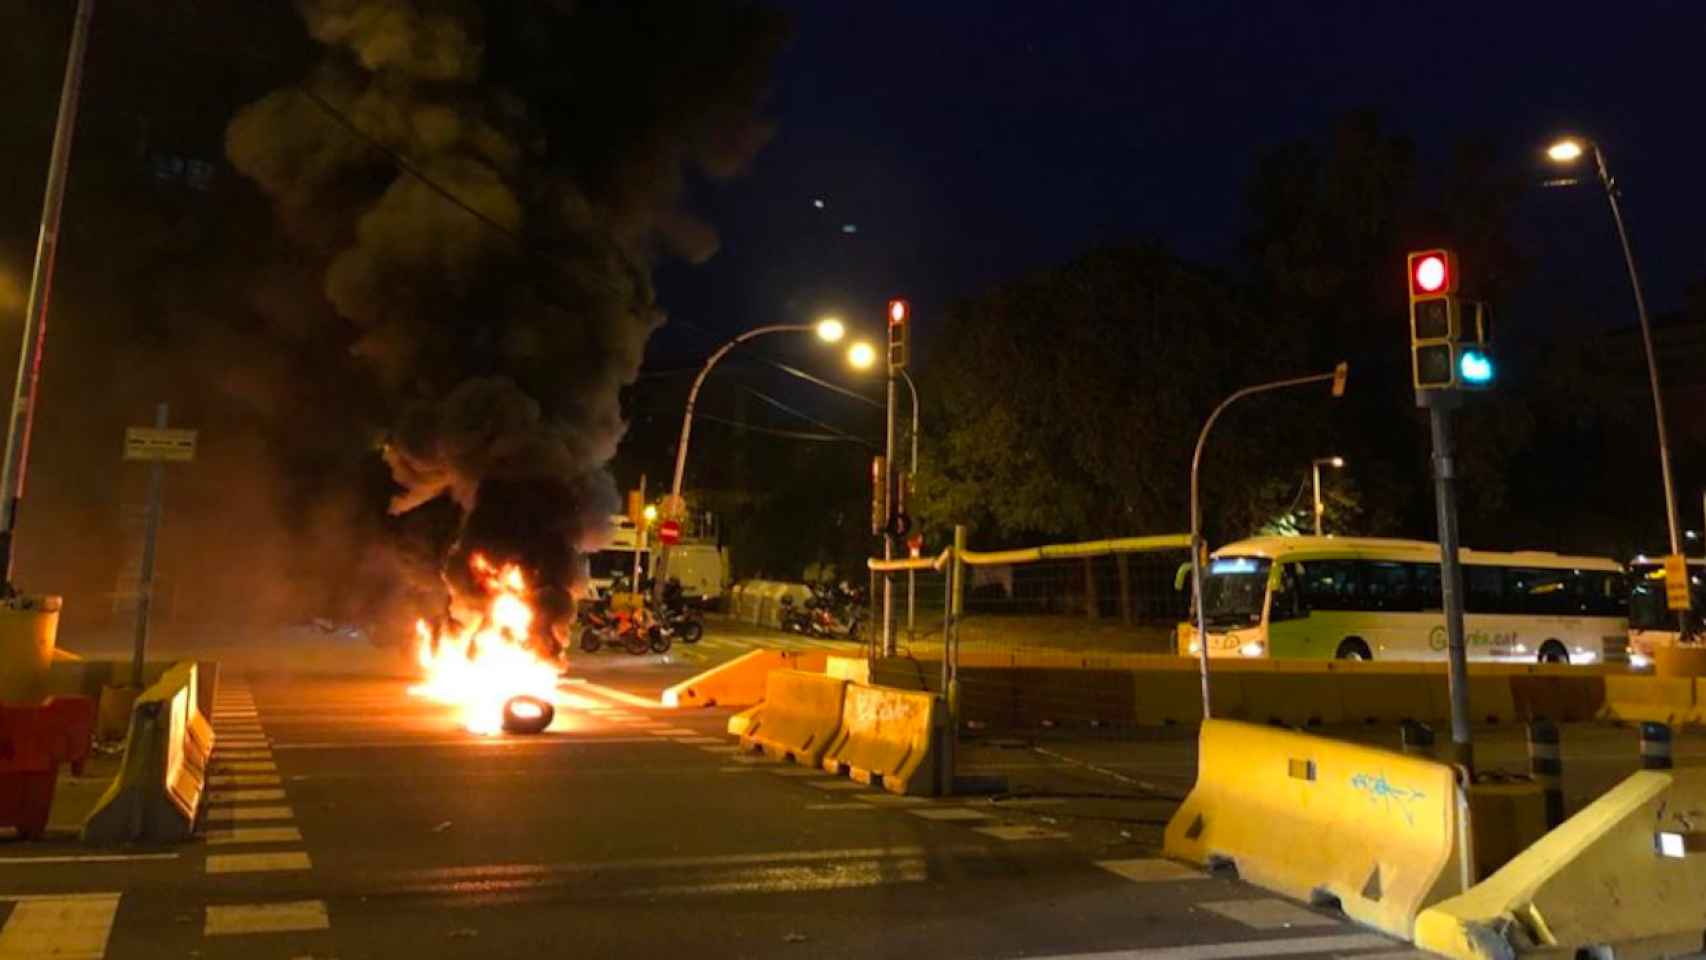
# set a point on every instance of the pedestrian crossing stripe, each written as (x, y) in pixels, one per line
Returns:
(76, 926)
(290, 917)
(257, 862)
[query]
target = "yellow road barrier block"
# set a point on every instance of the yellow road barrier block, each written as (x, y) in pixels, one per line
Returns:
(1625, 877)
(801, 716)
(1670, 661)
(1320, 820)
(158, 791)
(888, 736)
(1659, 699)
(740, 681)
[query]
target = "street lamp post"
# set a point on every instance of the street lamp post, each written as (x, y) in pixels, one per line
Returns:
(912, 475)
(829, 329)
(1568, 150)
(1337, 376)
(1334, 462)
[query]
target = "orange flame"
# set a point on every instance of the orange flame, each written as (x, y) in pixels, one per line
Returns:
(478, 667)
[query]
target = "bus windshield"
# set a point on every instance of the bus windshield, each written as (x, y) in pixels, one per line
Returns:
(1234, 590)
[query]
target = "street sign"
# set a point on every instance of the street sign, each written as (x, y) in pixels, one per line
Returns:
(669, 533)
(1676, 582)
(158, 443)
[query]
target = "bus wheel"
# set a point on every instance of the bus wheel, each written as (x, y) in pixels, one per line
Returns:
(1353, 649)
(1553, 652)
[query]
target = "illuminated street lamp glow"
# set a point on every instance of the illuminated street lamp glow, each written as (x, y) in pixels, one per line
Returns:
(1564, 151)
(650, 512)
(831, 330)
(861, 356)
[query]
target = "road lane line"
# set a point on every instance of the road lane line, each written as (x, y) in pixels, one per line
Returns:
(840, 806)
(220, 838)
(1287, 946)
(69, 928)
(257, 862)
(837, 784)
(243, 780)
(696, 741)
(246, 766)
(550, 739)
(611, 693)
(255, 754)
(88, 858)
(1151, 870)
(471, 874)
(288, 917)
(1021, 833)
(249, 814)
(948, 813)
(1266, 913)
(243, 796)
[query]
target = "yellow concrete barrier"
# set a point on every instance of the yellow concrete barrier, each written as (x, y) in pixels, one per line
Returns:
(740, 681)
(1625, 877)
(889, 738)
(1672, 661)
(158, 792)
(29, 626)
(1321, 820)
(801, 716)
(1660, 699)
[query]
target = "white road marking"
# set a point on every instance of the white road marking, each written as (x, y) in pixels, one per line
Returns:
(726, 748)
(243, 796)
(229, 741)
(266, 918)
(246, 766)
(798, 772)
(243, 780)
(1287, 946)
(674, 732)
(1151, 870)
(553, 739)
(89, 858)
(837, 785)
(694, 741)
(839, 806)
(948, 813)
(736, 769)
(611, 693)
(1266, 913)
(1021, 833)
(67, 928)
(219, 838)
(257, 862)
(260, 753)
(249, 814)
(890, 800)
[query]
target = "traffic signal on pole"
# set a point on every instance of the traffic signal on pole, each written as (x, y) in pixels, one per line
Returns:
(900, 324)
(1450, 337)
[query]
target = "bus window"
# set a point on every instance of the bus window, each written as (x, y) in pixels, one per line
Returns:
(1234, 591)
(1386, 586)
(1424, 585)
(1287, 596)
(1331, 585)
(1484, 589)
(1601, 593)
(1530, 590)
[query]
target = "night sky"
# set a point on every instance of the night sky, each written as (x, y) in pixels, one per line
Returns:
(970, 142)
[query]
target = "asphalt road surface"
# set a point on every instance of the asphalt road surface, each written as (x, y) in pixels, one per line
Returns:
(348, 819)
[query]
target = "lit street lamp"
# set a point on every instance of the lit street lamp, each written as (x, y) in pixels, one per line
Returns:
(861, 356)
(1569, 150)
(1335, 463)
(828, 329)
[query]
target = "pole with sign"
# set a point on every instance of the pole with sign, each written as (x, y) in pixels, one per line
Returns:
(157, 445)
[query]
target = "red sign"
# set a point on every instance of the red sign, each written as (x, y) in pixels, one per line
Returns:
(669, 532)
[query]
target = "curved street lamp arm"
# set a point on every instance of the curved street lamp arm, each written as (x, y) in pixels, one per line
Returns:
(698, 381)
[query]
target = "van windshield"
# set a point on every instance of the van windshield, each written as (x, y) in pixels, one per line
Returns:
(1233, 591)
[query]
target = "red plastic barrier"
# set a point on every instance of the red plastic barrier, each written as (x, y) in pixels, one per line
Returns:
(34, 741)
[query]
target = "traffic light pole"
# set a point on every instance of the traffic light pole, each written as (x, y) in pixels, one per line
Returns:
(1441, 404)
(889, 647)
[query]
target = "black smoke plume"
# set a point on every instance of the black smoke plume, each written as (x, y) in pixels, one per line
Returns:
(488, 184)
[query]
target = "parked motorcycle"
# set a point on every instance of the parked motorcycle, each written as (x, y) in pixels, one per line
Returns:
(676, 617)
(603, 626)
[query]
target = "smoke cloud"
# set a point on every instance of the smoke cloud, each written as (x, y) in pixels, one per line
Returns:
(488, 226)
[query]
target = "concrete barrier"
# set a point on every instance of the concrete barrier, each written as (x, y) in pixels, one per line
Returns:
(29, 626)
(889, 738)
(1625, 877)
(1673, 661)
(1635, 699)
(740, 681)
(1324, 821)
(158, 792)
(800, 717)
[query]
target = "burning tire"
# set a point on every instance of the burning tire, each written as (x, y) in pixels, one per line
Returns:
(590, 641)
(527, 714)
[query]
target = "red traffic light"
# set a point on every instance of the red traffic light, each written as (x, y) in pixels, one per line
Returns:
(898, 311)
(1432, 272)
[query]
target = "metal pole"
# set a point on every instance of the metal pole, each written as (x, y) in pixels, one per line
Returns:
(41, 286)
(956, 612)
(1647, 341)
(1317, 467)
(145, 578)
(889, 647)
(693, 397)
(912, 473)
(1196, 511)
(640, 538)
(1451, 577)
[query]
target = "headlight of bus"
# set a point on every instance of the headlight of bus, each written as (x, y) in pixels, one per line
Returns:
(1639, 661)
(1196, 647)
(1252, 649)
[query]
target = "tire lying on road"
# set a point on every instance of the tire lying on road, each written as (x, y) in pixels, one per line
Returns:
(527, 714)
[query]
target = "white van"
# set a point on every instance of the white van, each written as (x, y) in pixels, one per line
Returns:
(702, 568)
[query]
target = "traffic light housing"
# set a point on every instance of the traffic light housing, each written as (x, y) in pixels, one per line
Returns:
(900, 325)
(1450, 336)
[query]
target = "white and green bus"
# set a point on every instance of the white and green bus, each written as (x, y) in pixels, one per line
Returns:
(1363, 598)
(1652, 623)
